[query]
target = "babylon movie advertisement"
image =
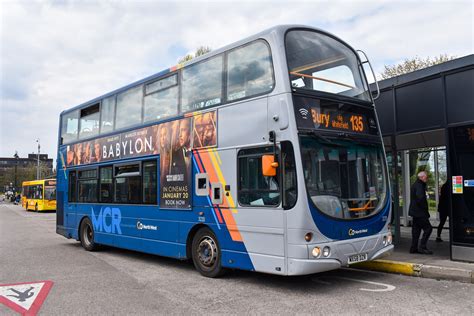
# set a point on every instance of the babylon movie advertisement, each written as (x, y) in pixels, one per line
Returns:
(173, 141)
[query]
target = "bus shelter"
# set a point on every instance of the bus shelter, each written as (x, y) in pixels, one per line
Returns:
(427, 122)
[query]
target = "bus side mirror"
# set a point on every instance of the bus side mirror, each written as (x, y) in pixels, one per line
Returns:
(269, 165)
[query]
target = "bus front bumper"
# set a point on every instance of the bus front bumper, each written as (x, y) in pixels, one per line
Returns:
(310, 266)
(372, 247)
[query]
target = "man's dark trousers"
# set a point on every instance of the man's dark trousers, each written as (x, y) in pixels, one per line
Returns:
(419, 224)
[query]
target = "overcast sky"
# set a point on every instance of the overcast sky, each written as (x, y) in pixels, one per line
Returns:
(58, 54)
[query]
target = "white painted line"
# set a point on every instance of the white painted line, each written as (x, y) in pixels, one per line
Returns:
(385, 287)
(320, 281)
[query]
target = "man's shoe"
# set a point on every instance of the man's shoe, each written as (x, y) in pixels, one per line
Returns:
(414, 251)
(426, 251)
(438, 239)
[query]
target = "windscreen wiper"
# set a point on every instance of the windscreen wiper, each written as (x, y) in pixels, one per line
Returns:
(368, 139)
(319, 136)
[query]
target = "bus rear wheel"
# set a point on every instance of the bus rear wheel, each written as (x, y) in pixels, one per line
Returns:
(206, 254)
(87, 235)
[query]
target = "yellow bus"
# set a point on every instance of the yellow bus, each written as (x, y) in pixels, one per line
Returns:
(39, 195)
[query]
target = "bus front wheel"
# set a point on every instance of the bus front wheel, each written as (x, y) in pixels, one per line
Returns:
(87, 235)
(206, 254)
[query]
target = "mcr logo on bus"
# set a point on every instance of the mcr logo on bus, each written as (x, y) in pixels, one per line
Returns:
(108, 220)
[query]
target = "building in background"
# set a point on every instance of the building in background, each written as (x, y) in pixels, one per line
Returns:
(427, 122)
(14, 170)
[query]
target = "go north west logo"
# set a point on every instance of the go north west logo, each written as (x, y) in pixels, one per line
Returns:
(108, 220)
(141, 226)
(353, 232)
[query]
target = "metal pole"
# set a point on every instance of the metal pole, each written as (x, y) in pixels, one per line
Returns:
(16, 169)
(436, 172)
(407, 185)
(38, 161)
(396, 201)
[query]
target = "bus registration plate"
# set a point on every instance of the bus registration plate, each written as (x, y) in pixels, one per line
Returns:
(358, 258)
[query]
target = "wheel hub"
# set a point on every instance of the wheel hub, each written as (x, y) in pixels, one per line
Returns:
(207, 251)
(88, 235)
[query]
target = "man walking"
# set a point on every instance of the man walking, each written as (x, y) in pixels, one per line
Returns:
(419, 211)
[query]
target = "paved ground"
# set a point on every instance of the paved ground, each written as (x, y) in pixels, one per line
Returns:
(440, 255)
(116, 281)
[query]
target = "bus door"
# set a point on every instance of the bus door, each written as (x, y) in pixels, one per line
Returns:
(70, 201)
(36, 201)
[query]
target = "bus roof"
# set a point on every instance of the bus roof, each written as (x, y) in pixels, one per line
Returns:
(278, 30)
(33, 182)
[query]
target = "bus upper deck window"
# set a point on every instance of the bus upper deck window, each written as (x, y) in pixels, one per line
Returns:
(250, 71)
(202, 84)
(319, 62)
(107, 114)
(129, 107)
(89, 122)
(161, 99)
(69, 126)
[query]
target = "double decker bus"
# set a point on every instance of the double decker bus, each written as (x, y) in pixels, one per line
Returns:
(39, 195)
(264, 155)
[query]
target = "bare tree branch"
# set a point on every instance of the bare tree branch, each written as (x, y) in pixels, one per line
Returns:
(412, 64)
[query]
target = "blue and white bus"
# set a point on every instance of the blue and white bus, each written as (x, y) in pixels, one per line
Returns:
(264, 155)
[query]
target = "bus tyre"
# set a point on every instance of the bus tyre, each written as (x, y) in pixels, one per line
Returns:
(87, 235)
(206, 254)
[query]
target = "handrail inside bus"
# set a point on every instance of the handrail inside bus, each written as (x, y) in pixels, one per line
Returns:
(322, 79)
(363, 208)
(319, 63)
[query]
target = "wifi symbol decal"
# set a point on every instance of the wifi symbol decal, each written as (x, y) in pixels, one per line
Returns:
(304, 113)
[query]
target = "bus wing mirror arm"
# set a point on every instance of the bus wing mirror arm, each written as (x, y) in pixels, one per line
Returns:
(269, 162)
(272, 138)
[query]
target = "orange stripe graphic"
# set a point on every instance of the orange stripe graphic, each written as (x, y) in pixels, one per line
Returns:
(226, 212)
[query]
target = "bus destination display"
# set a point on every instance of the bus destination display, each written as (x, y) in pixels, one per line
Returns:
(338, 120)
(321, 115)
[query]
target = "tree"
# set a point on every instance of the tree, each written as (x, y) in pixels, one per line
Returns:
(23, 172)
(412, 64)
(201, 50)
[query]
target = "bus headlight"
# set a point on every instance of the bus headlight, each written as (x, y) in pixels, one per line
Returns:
(384, 241)
(326, 251)
(389, 239)
(316, 252)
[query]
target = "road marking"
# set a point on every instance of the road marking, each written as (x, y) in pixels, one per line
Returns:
(385, 287)
(321, 281)
(25, 298)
